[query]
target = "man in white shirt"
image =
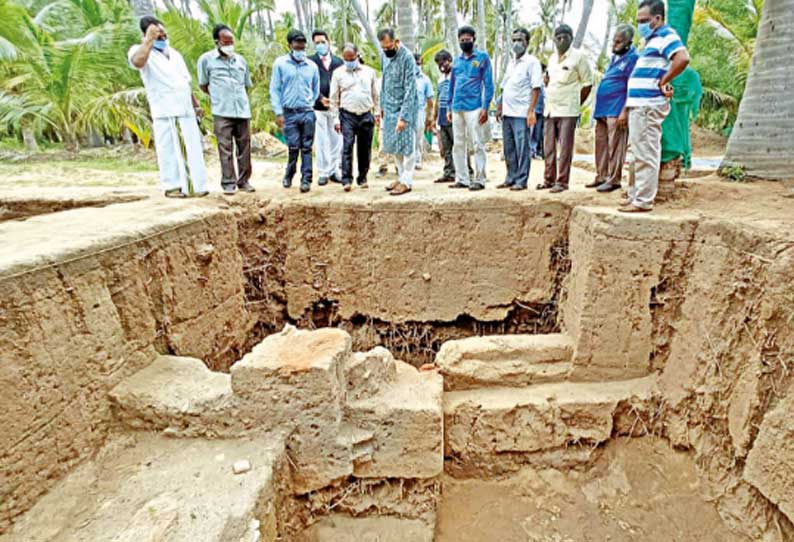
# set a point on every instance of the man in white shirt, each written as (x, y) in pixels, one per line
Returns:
(516, 109)
(354, 103)
(171, 101)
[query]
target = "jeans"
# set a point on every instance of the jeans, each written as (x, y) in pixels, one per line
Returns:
(356, 130)
(299, 131)
(232, 133)
(468, 133)
(515, 134)
(536, 139)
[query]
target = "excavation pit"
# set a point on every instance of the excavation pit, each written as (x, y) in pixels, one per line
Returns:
(248, 371)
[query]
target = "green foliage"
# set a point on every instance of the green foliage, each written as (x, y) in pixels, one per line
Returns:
(733, 173)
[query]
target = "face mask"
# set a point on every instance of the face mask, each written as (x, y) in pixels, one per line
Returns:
(227, 50)
(322, 49)
(645, 30)
(160, 45)
(299, 56)
(352, 65)
(623, 51)
(467, 46)
(519, 48)
(390, 53)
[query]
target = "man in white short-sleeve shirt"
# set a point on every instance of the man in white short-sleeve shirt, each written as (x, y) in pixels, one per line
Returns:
(171, 101)
(516, 109)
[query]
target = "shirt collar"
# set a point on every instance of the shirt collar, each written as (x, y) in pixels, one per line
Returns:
(474, 54)
(653, 34)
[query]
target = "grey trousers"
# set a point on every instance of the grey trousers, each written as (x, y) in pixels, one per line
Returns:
(645, 134)
(233, 134)
(559, 132)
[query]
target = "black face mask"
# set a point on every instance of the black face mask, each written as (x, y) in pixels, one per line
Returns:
(623, 51)
(390, 53)
(467, 46)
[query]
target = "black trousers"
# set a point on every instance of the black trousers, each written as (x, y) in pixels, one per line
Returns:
(358, 130)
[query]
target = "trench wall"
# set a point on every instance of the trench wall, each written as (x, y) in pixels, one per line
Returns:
(709, 306)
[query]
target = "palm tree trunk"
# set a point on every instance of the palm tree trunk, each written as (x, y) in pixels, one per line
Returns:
(581, 32)
(299, 14)
(365, 23)
(507, 39)
(450, 25)
(405, 23)
(761, 140)
(142, 7)
(482, 39)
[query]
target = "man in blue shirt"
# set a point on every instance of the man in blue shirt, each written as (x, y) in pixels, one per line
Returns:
(294, 88)
(471, 90)
(612, 118)
(224, 75)
(536, 139)
(424, 88)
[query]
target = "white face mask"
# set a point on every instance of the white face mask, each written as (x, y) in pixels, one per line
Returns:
(227, 50)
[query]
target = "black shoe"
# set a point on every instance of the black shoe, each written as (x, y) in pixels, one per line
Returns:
(322, 181)
(286, 183)
(305, 187)
(459, 185)
(229, 190)
(505, 185)
(557, 188)
(476, 186)
(517, 187)
(335, 179)
(246, 187)
(607, 187)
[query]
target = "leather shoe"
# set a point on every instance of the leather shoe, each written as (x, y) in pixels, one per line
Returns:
(246, 187)
(286, 183)
(557, 188)
(392, 185)
(322, 181)
(595, 183)
(607, 187)
(505, 185)
(517, 187)
(445, 180)
(476, 186)
(305, 187)
(459, 185)
(400, 190)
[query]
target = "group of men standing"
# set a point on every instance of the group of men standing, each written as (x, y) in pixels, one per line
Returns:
(329, 105)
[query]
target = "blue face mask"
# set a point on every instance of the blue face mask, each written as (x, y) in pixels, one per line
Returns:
(645, 30)
(322, 49)
(160, 45)
(351, 65)
(299, 56)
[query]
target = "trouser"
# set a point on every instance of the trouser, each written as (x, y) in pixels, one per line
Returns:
(536, 138)
(170, 158)
(610, 150)
(299, 131)
(328, 149)
(560, 132)
(645, 134)
(405, 168)
(419, 144)
(356, 130)
(468, 133)
(233, 134)
(515, 138)
(447, 142)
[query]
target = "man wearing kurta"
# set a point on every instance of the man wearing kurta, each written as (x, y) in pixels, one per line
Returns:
(171, 101)
(400, 103)
(570, 83)
(224, 75)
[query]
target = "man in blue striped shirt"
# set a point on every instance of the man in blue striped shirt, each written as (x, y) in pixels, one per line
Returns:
(294, 88)
(649, 92)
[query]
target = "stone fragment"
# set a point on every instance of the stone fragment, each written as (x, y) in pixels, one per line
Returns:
(241, 467)
(770, 463)
(504, 360)
(405, 420)
(367, 372)
(295, 380)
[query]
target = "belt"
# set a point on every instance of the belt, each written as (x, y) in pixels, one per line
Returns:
(292, 110)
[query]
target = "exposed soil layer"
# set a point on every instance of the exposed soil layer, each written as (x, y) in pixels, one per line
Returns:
(639, 490)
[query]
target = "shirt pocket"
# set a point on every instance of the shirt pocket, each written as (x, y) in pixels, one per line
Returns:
(568, 74)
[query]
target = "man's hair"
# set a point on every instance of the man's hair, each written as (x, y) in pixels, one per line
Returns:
(625, 30)
(350, 46)
(319, 32)
(443, 54)
(564, 29)
(217, 29)
(418, 57)
(148, 21)
(295, 35)
(467, 31)
(383, 32)
(524, 31)
(656, 7)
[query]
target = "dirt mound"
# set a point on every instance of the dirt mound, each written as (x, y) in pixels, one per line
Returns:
(264, 144)
(706, 142)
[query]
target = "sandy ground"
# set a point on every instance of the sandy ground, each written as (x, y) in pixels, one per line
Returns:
(640, 490)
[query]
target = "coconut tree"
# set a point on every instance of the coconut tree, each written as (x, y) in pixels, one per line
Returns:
(581, 31)
(406, 28)
(450, 24)
(142, 7)
(761, 141)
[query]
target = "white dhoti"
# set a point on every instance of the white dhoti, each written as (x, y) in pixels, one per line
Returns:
(328, 145)
(170, 157)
